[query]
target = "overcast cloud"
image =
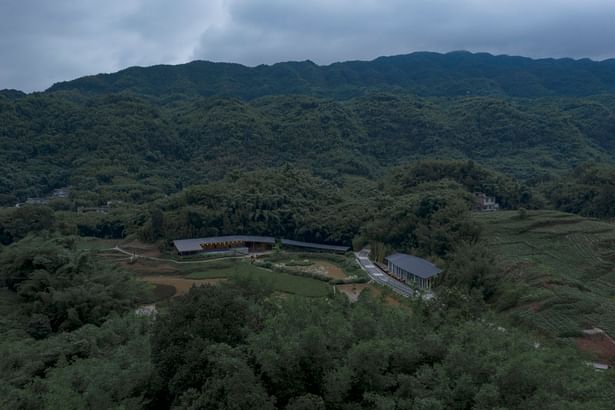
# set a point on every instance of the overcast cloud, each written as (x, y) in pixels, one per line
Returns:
(45, 41)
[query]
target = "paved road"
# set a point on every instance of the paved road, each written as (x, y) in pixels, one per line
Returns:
(378, 276)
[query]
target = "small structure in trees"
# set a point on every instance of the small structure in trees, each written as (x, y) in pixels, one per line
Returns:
(485, 203)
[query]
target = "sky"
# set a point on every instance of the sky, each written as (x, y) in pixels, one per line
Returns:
(46, 41)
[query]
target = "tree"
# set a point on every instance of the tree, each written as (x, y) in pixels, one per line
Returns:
(472, 267)
(157, 224)
(231, 384)
(39, 326)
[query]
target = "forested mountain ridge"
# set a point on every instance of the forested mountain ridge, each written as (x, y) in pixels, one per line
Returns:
(422, 73)
(147, 156)
(49, 140)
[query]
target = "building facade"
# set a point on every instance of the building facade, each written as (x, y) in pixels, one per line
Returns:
(414, 271)
(247, 244)
(485, 203)
(229, 244)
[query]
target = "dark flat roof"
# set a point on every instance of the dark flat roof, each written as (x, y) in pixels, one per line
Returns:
(416, 266)
(194, 245)
(336, 248)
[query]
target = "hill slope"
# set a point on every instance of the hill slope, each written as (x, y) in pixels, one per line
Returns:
(426, 74)
(559, 269)
(53, 139)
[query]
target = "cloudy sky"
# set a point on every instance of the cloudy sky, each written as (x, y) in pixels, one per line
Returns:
(45, 41)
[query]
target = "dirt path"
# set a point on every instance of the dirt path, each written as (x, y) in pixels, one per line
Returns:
(331, 270)
(143, 249)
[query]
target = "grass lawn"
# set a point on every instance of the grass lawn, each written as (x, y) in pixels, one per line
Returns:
(281, 282)
(560, 269)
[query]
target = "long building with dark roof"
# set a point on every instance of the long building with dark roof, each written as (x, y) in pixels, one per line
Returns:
(247, 243)
(410, 269)
(315, 246)
(222, 243)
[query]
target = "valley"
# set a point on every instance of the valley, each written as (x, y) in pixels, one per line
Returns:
(490, 180)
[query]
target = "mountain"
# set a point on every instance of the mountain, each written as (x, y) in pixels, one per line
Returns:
(11, 94)
(422, 73)
(145, 131)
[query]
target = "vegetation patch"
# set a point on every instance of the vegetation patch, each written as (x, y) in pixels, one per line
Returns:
(180, 285)
(95, 244)
(162, 291)
(279, 281)
(352, 290)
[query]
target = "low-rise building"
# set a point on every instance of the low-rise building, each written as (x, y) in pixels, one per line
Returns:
(412, 270)
(485, 203)
(318, 247)
(61, 192)
(229, 243)
(247, 244)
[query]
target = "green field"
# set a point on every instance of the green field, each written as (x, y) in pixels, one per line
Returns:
(279, 281)
(559, 269)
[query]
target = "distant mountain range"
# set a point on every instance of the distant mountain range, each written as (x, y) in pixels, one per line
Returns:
(172, 126)
(425, 74)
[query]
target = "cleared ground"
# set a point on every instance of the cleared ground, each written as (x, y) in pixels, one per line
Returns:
(353, 290)
(317, 266)
(560, 269)
(176, 276)
(600, 345)
(326, 265)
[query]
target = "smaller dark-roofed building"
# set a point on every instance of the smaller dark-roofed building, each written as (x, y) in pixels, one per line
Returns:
(315, 246)
(413, 270)
(485, 203)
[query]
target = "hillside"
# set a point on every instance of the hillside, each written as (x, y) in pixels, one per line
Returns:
(558, 270)
(422, 73)
(386, 154)
(151, 131)
(147, 145)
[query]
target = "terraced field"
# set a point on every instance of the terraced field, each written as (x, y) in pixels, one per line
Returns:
(559, 269)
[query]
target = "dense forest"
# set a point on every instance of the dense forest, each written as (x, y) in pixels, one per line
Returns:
(386, 154)
(125, 147)
(236, 345)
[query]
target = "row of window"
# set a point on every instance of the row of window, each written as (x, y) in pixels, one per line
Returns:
(408, 277)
